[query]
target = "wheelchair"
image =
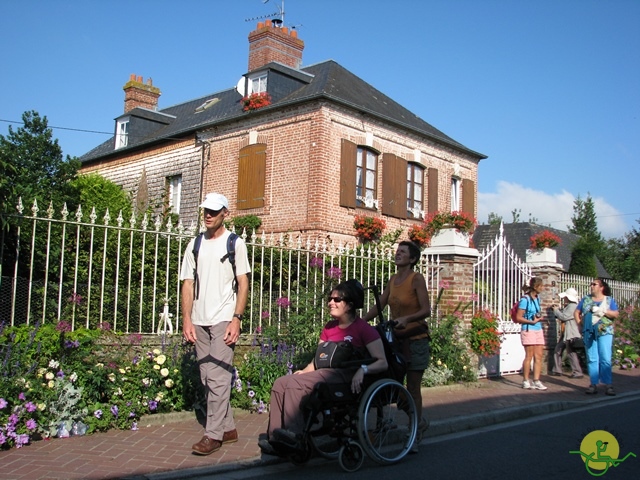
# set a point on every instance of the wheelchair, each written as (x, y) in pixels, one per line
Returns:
(381, 422)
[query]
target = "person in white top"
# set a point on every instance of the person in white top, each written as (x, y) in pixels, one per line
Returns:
(211, 317)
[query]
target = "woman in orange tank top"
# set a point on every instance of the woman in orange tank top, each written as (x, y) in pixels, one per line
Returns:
(408, 299)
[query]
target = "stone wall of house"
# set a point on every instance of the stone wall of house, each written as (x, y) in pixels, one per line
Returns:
(303, 167)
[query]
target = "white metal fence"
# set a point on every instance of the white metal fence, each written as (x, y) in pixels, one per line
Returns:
(96, 271)
(622, 292)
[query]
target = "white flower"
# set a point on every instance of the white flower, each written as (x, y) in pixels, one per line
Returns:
(51, 384)
(53, 364)
(160, 359)
(49, 376)
(122, 371)
(156, 351)
(41, 372)
(164, 372)
(73, 377)
(112, 377)
(42, 406)
(168, 383)
(146, 382)
(99, 365)
(156, 367)
(439, 362)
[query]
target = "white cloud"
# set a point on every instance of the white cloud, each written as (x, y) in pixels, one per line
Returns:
(553, 209)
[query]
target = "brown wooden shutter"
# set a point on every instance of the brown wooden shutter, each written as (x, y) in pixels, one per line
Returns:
(432, 190)
(394, 186)
(348, 153)
(252, 176)
(468, 196)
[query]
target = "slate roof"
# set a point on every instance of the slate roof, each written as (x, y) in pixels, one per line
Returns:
(326, 80)
(518, 237)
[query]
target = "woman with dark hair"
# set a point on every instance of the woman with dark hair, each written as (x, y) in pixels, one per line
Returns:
(595, 314)
(531, 335)
(408, 299)
(286, 420)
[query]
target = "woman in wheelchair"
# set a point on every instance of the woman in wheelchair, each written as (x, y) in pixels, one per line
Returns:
(286, 417)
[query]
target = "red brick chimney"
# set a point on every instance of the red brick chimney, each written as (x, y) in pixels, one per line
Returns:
(139, 94)
(270, 43)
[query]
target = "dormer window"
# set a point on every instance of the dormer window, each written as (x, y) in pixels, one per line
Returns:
(122, 133)
(259, 84)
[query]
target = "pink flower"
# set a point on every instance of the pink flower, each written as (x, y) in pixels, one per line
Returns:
(283, 302)
(316, 262)
(334, 272)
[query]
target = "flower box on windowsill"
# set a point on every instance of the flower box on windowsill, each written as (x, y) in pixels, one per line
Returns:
(544, 255)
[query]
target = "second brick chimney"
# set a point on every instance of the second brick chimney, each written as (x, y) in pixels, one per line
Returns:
(139, 94)
(270, 43)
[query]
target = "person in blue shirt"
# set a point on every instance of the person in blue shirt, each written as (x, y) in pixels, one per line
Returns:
(595, 314)
(531, 335)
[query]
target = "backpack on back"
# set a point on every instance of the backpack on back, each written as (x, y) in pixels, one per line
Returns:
(513, 313)
(231, 255)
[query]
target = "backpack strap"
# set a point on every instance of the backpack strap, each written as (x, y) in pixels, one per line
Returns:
(231, 255)
(196, 249)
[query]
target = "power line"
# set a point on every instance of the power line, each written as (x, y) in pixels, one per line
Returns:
(61, 128)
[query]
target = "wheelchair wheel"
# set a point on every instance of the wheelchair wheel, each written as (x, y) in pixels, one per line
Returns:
(387, 421)
(323, 437)
(351, 457)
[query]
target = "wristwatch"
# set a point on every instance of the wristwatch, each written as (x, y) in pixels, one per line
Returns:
(365, 369)
(238, 316)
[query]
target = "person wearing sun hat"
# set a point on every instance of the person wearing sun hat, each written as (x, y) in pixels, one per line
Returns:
(571, 337)
(211, 314)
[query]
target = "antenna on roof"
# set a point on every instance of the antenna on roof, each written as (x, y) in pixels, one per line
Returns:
(278, 22)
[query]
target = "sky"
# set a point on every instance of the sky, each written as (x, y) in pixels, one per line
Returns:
(548, 90)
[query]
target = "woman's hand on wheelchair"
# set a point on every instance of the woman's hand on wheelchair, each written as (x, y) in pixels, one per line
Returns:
(357, 380)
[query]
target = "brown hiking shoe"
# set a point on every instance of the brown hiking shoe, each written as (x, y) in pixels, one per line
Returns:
(230, 437)
(206, 446)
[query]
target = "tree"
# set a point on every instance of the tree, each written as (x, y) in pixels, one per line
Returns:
(584, 221)
(583, 259)
(494, 219)
(32, 162)
(621, 256)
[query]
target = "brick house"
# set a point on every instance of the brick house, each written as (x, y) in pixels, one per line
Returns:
(327, 147)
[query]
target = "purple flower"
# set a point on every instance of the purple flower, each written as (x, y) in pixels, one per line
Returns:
(13, 420)
(3, 403)
(105, 326)
(316, 262)
(251, 394)
(283, 302)
(3, 439)
(60, 374)
(75, 298)
(334, 272)
(97, 414)
(132, 414)
(265, 314)
(134, 426)
(63, 326)
(153, 405)
(114, 410)
(30, 407)
(31, 424)
(22, 397)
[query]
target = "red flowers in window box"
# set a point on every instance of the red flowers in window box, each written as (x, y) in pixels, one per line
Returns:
(255, 101)
(368, 229)
(544, 239)
(418, 234)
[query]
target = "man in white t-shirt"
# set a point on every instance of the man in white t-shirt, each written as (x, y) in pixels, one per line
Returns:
(211, 317)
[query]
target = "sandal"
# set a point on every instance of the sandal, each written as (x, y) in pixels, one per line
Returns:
(591, 390)
(610, 391)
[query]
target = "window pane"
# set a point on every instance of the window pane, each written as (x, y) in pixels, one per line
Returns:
(371, 179)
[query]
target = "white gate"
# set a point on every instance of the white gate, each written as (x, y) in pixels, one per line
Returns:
(498, 279)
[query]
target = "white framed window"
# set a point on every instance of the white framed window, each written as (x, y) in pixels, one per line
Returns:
(455, 194)
(259, 84)
(174, 190)
(122, 133)
(415, 176)
(366, 178)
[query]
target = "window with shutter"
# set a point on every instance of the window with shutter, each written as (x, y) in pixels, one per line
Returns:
(348, 174)
(415, 191)
(252, 176)
(455, 194)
